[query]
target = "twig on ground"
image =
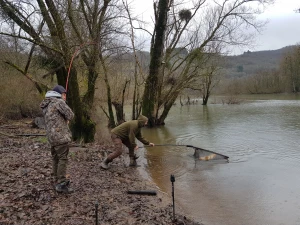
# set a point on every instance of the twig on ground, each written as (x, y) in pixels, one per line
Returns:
(7, 135)
(29, 135)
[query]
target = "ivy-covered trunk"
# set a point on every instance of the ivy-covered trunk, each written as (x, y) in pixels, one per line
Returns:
(82, 127)
(150, 98)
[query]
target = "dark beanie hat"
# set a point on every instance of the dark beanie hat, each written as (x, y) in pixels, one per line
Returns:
(59, 89)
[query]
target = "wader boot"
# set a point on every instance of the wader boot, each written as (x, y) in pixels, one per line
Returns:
(64, 188)
(104, 164)
(133, 162)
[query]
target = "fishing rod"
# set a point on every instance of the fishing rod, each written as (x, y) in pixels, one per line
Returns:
(73, 56)
(189, 146)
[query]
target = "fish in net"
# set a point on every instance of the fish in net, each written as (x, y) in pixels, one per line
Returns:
(206, 155)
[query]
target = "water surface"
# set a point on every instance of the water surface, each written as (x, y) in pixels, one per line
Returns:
(260, 184)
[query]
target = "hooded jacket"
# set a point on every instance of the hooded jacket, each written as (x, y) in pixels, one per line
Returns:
(130, 130)
(56, 114)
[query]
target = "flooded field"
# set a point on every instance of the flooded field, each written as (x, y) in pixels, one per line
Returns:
(259, 185)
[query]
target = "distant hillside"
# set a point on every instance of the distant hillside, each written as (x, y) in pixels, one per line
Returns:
(234, 66)
(251, 62)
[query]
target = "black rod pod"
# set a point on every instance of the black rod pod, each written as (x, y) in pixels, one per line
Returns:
(96, 212)
(172, 178)
(142, 192)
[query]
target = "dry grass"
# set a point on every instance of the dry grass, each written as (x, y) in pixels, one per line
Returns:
(18, 97)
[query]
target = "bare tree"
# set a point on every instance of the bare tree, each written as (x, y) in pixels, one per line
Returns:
(263, 82)
(190, 34)
(208, 77)
(72, 29)
(138, 79)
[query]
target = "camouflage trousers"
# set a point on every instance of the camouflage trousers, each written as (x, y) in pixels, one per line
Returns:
(119, 145)
(59, 162)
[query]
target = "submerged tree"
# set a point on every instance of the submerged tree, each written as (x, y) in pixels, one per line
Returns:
(182, 41)
(151, 92)
(208, 75)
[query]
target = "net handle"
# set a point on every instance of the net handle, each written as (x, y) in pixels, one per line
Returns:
(189, 146)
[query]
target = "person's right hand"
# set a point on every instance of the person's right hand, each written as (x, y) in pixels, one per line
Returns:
(136, 148)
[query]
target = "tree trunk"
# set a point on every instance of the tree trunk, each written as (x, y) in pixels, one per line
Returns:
(134, 102)
(181, 103)
(205, 99)
(167, 108)
(151, 91)
(134, 113)
(89, 96)
(82, 127)
(207, 88)
(188, 101)
(119, 112)
(119, 107)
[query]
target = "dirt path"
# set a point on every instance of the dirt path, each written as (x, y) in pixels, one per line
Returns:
(27, 195)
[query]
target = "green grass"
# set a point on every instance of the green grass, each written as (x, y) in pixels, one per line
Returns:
(42, 140)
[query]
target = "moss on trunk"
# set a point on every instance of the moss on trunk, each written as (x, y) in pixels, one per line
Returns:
(83, 130)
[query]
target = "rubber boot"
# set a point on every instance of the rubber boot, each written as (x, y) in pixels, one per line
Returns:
(104, 164)
(133, 162)
(64, 188)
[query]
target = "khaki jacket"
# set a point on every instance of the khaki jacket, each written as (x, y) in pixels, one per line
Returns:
(130, 130)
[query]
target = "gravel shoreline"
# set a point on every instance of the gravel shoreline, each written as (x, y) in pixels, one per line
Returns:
(27, 195)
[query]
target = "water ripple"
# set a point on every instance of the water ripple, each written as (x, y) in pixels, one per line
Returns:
(260, 181)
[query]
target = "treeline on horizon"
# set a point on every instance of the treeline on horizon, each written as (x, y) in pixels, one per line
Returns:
(267, 72)
(263, 72)
(94, 50)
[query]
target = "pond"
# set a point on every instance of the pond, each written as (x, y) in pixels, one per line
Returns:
(259, 185)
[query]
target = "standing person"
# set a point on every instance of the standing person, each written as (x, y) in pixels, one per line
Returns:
(57, 115)
(125, 134)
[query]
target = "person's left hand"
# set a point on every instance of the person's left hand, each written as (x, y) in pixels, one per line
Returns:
(136, 148)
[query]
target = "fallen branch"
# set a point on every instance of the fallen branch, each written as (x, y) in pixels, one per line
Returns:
(7, 127)
(20, 135)
(7, 135)
(29, 135)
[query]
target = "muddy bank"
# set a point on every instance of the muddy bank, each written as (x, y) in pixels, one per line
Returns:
(27, 195)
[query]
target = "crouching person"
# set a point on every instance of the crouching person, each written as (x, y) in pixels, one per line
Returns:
(57, 115)
(125, 134)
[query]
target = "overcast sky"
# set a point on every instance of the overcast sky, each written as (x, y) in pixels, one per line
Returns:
(283, 28)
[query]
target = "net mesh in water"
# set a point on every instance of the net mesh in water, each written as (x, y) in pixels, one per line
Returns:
(206, 155)
(200, 153)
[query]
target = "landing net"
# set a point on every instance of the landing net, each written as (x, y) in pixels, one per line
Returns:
(206, 155)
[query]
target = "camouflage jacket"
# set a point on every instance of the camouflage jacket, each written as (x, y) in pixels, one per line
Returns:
(130, 130)
(56, 114)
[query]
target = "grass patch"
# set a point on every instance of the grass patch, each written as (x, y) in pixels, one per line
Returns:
(43, 140)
